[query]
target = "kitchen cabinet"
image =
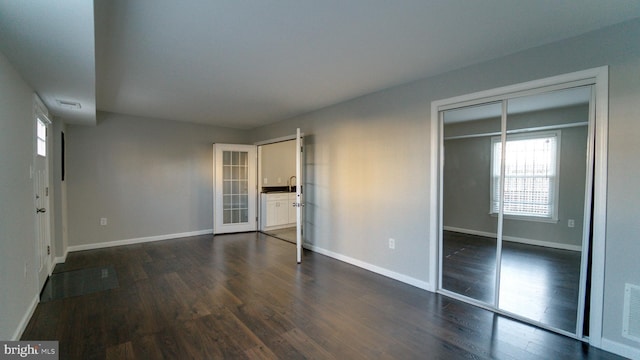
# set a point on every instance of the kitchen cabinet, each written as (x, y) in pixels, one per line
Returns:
(278, 211)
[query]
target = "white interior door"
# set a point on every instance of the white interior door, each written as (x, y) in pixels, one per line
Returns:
(41, 202)
(298, 204)
(235, 188)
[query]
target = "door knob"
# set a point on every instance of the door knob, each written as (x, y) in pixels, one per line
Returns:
(41, 210)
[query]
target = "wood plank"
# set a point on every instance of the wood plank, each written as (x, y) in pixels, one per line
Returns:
(241, 296)
(121, 352)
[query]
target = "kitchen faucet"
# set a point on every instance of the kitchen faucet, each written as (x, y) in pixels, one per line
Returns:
(290, 182)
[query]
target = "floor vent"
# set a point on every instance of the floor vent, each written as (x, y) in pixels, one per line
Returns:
(631, 322)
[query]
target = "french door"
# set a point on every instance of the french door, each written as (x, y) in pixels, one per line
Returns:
(235, 190)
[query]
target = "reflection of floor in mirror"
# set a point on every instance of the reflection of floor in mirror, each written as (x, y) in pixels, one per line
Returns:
(536, 282)
(64, 284)
(286, 234)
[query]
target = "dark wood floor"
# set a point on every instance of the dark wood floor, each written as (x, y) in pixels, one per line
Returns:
(539, 283)
(286, 234)
(243, 296)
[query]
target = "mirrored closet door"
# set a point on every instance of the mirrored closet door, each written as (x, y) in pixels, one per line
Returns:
(469, 234)
(516, 178)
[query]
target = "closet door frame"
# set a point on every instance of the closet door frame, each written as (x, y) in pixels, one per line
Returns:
(598, 78)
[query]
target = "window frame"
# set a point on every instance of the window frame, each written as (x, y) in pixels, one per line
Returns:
(555, 187)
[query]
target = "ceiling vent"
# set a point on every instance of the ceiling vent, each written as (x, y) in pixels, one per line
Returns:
(631, 322)
(69, 105)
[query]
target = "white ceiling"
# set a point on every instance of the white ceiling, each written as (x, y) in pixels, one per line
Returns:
(51, 44)
(247, 63)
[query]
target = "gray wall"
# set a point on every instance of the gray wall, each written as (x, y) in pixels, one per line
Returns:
(367, 170)
(17, 219)
(148, 177)
(278, 162)
(467, 176)
(368, 160)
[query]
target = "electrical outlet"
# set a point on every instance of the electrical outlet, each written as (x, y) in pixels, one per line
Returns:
(266, 181)
(392, 243)
(25, 270)
(279, 180)
(103, 221)
(571, 223)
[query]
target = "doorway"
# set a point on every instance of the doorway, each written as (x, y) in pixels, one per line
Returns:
(245, 200)
(277, 185)
(520, 187)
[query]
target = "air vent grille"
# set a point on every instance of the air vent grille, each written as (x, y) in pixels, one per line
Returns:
(631, 322)
(71, 105)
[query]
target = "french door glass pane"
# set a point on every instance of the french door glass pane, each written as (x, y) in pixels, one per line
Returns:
(235, 187)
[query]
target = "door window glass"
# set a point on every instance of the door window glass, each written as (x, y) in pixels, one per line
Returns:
(41, 138)
(235, 187)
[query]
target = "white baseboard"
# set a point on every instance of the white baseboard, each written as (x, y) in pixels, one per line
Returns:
(61, 259)
(373, 268)
(621, 349)
(52, 265)
(25, 318)
(137, 240)
(548, 244)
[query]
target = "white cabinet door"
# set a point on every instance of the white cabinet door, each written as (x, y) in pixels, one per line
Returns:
(277, 209)
(272, 209)
(282, 212)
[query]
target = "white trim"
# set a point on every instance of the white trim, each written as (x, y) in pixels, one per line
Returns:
(620, 349)
(599, 215)
(138, 240)
(516, 239)
(278, 139)
(373, 268)
(40, 108)
(559, 82)
(435, 210)
(25, 319)
(52, 265)
(61, 259)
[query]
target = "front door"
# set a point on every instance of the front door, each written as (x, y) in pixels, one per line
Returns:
(235, 190)
(41, 195)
